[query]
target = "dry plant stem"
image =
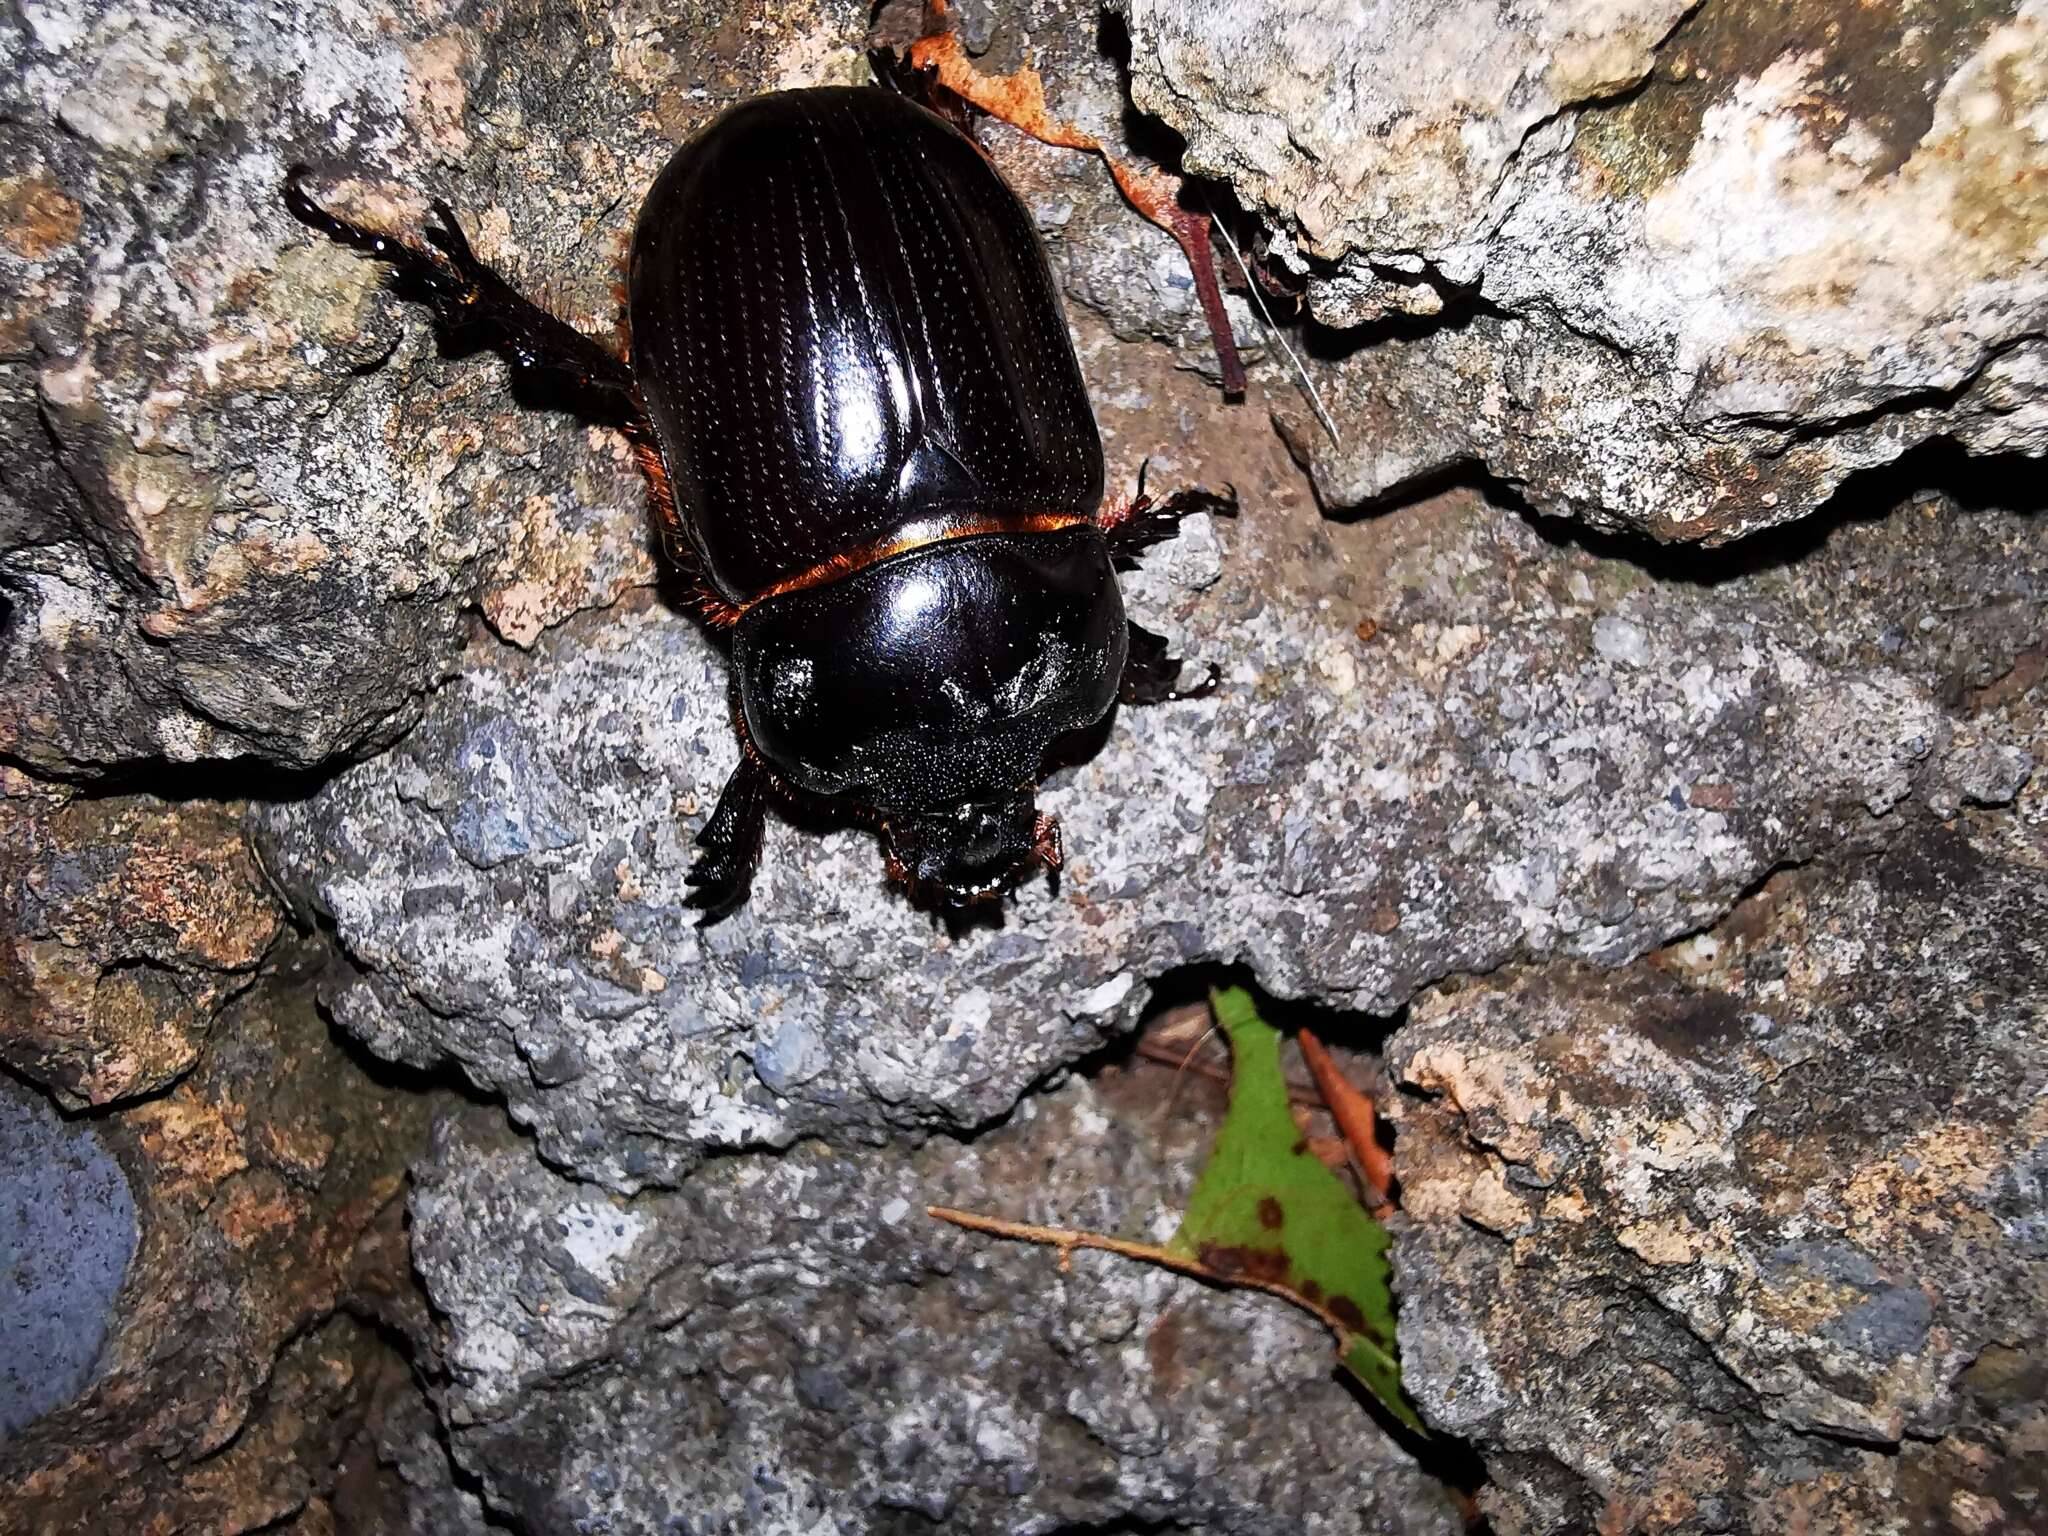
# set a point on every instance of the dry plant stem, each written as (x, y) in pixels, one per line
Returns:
(1067, 1239)
(1019, 100)
(1166, 1055)
(1353, 1112)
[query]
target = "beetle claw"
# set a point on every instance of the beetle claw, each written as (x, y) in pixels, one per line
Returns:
(1138, 524)
(1152, 673)
(437, 263)
(730, 844)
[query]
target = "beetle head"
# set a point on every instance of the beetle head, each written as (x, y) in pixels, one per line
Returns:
(973, 852)
(927, 688)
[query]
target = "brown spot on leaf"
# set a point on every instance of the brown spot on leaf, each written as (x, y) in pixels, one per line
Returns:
(1271, 1216)
(1267, 1266)
(1347, 1313)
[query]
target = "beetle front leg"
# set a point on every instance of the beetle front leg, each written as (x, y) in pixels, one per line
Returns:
(1134, 526)
(730, 844)
(1152, 675)
(465, 293)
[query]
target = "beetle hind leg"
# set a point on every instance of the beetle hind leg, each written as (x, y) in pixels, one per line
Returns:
(466, 293)
(729, 847)
(1152, 673)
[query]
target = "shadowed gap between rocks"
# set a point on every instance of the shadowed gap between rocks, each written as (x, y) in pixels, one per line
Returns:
(1940, 467)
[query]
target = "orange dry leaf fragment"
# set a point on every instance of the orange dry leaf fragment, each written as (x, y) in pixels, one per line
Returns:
(1352, 1109)
(1019, 100)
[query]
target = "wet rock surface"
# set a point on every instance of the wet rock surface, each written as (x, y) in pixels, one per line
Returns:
(790, 1344)
(1773, 1201)
(1685, 283)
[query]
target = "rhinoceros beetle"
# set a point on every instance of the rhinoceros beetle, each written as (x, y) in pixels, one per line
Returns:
(872, 455)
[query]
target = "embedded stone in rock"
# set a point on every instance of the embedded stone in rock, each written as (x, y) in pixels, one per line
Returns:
(1806, 242)
(791, 1343)
(1538, 752)
(67, 1232)
(1760, 1224)
(266, 1187)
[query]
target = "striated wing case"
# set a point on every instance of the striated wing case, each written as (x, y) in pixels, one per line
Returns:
(844, 326)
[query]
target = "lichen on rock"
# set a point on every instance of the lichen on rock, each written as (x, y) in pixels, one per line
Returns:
(126, 925)
(1795, 1162)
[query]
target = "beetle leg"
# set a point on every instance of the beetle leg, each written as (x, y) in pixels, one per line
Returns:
(466, 292)
(1152, 676)
(730, 843)
(1136, 525)
(920, 82)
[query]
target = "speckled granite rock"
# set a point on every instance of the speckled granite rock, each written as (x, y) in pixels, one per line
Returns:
(790, 1344)
(1757, 1231)
(1537, 752)
(126, 924)
(257, 1262)
(1804, 239)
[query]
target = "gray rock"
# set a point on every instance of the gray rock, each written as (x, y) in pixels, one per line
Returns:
(791, 1344)
(1681, 283)
(67, 1232)
(1696, 1244)
(1537, 753)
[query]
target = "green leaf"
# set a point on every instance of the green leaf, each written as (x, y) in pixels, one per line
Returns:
(1266, 1212)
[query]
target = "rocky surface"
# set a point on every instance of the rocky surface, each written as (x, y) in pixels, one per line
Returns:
(214, 1325)
(790, 1344)
(126, 925)
(1536, 752)
(1740, 1232)
(251, 503)
(1775, 1201)
(1684, 283)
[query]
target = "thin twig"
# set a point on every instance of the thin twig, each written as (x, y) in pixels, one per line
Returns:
(1308, 387)
(1068, 1239)
(1168, 1055)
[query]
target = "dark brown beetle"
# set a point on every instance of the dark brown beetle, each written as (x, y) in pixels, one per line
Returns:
(872, 451)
